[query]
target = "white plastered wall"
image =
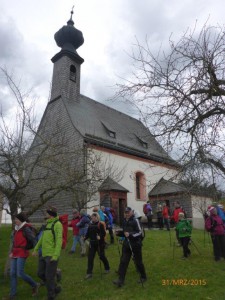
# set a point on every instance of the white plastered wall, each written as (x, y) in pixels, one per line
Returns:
(131, 165)
(199, 206)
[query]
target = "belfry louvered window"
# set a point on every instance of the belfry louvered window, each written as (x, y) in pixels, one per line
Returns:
(73, 73)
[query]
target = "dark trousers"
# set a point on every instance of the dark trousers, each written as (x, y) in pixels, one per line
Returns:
(218, 246)
(111, 234)
(184, 242)
(125, 259)
(177, 236)
(100, 249)
(167, 223)
(47, 272)
(149, 218)
(160, 222)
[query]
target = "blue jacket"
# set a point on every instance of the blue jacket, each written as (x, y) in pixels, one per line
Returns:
(83, 225)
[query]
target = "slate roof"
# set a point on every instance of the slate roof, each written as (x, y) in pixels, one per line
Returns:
(94, 120)
(110, 185)
(164, 187)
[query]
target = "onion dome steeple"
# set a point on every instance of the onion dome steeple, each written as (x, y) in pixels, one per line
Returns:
(68, 37)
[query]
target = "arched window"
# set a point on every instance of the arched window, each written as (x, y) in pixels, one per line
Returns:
(140, 186)
(73, 73)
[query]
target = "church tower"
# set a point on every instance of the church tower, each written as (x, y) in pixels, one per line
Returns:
(67, 63)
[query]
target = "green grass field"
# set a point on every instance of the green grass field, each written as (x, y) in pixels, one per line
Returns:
(199, 277)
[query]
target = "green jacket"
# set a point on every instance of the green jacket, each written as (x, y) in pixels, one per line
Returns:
(184, 228)
(49, 245)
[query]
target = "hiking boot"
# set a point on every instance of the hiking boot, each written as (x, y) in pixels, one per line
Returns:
(83, 255)
(106, 272)
(58, 289)
(183, 257)
(35, 290)
(88, 276)
(118, 282)
(58, 275)
(142, 280)
(71, 252)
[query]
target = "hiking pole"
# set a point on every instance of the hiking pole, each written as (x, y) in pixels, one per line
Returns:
(195, 247)
(118, 247)
(100, 263)
(170, 238)
(173, 249)
(133, 258)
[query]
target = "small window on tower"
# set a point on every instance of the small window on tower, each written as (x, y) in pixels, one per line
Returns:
(73, 73)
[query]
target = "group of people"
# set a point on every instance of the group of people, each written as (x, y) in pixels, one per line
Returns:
(50, 240)
(164, 216)
(47, 248)
(93, 228)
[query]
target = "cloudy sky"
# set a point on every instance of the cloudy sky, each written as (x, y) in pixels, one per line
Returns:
(110, 29)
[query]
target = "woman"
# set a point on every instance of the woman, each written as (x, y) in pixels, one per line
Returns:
(96, 234)
(19, 254)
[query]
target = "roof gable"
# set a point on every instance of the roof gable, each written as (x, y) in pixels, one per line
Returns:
(164, 187)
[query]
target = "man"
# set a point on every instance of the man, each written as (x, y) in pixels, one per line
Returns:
(132, 246)
(76, 236)
(147, 210)
(109, 224)
(165, 214)
(51, 244)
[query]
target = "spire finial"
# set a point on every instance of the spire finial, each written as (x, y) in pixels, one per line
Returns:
(71, 17)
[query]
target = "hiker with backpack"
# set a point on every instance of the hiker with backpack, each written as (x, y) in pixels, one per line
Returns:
(214, 224)
(147, 210)
(51, 245)
(76, 235)
(132, 247)
(184, 230)
(23, 240)
(96, 235)
(109, 223)
(82, 225)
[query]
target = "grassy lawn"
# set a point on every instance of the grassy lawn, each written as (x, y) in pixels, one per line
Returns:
(198, 278)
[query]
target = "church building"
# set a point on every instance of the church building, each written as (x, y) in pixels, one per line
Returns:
(120, 141)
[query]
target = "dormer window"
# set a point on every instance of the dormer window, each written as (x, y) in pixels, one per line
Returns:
(143, 143)
(111, 132)
(73, 73)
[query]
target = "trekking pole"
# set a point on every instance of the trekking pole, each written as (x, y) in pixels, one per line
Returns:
(133, 258)
(173, 249)
(100, 263)
(118, 247)
(170, 238)
(195, 247)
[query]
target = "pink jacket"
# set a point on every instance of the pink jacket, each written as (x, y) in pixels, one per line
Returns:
(214, 224)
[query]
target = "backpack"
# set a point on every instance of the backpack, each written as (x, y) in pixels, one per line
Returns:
(64, 221)
(30, 234)
(146, 208)
(113, 213)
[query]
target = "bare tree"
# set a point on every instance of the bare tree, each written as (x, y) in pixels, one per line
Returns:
(180, 95)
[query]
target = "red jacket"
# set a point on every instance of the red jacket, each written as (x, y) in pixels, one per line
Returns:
(176, 213)
(19, 243)
(165, 212)
(73, 224)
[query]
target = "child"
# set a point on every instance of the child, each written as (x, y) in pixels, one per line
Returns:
(184, 230)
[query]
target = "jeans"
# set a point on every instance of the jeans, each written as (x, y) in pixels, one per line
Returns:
(17, 270)
(76, 239)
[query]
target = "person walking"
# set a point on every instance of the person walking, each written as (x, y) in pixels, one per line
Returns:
(159, 216)
(76, 235)
(82, 225)
(165, 214)
(132, 247)
(147, 210)
(214, 224)
(19, 253)
(51, 244)
(96, 234)
(184, 230)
